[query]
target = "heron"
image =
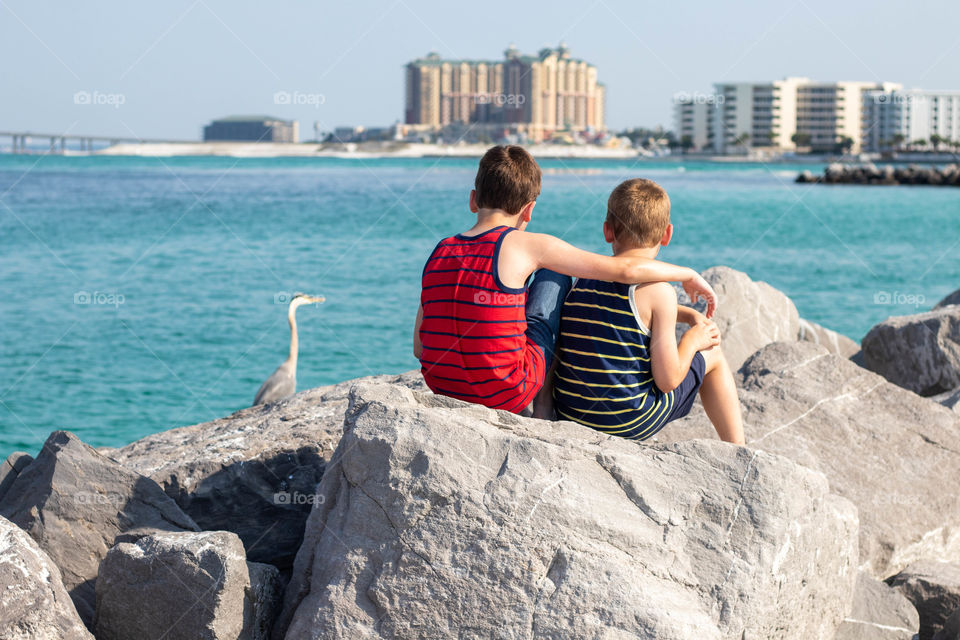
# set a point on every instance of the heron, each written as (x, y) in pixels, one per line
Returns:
(283, 382)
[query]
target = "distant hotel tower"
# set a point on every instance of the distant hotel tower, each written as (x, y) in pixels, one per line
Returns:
(533, 95)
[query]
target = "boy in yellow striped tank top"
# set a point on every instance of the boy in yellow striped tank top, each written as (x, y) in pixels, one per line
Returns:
(619, 367)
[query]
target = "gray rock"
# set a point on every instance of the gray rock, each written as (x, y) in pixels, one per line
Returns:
(11, 468)
(834, 342)
(35, 605)
(750, 314)
(889, 451)
(950, 399)
(918, 352)
(254, 472)
(879, 612)
(75, 503)
(953, 298)
(442, 519)
(934, 589)
(189, 586)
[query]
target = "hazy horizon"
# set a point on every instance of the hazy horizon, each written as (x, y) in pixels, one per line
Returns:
(165, 70)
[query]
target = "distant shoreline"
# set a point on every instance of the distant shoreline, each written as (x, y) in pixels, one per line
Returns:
(392, 149)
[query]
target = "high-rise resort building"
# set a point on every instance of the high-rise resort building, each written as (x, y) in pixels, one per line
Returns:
(251, 129)
(913, 117)
(779, 116)
(538, 97)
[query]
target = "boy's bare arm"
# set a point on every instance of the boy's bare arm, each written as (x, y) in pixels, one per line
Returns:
(417, 345)
(669, 361)
(546, 251)
(689, 315)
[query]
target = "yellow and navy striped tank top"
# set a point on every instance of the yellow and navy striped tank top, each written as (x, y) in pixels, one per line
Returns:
(603, 377)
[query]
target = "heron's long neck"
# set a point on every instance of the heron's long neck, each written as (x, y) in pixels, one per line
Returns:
(292, 317)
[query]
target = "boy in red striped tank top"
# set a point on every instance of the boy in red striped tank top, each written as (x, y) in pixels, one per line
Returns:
(482, 335)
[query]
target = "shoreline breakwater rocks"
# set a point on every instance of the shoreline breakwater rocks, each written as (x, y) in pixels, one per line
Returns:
(373, 508)
(870, 174)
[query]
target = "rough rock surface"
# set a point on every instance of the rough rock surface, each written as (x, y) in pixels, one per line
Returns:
(254, 472)
(879, 612)
(441, 519)
(750, 314)
(75, 503)
(889, 451)
(11, 468)
(918, 352)
(185, 586)
(834, 342)
(953, 298)
(934, 589)
(35, 605)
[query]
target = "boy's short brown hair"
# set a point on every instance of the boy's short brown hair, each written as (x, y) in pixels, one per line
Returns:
(507, 179)
(638, 212)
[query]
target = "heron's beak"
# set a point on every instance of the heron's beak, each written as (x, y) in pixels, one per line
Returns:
(317, 299)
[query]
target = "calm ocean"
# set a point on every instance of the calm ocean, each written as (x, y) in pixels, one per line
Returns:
(144, 294)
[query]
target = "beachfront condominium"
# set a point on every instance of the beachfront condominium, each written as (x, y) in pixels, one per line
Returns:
(783, 115)
(537, 96)
(914, 118)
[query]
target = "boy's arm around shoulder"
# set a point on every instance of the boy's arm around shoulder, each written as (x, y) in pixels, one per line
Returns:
(669, 361)
(550, 252)
(417, 345)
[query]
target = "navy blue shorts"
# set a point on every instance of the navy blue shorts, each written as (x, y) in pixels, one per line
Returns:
(686, 392)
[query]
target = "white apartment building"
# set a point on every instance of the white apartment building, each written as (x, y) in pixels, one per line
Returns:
(693, 117)
(907, 117)
(771, 115)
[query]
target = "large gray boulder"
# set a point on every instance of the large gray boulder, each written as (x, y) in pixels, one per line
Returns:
(34, 604)
(75, 503)
(835, 343)
(11, 468)
(886, 449)
(252, 473)
(918, 352)
(934, 589)
(442, 519)
(879, 612)
(750, 314)
(953, 298)
(185, 586)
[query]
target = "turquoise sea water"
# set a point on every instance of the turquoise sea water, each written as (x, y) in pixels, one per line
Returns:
(186, 264)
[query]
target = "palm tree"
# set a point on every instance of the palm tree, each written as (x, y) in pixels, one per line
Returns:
(801, 139)
(897, 140)
(742, 140)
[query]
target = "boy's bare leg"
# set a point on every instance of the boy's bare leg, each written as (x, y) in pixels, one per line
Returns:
(719, 396)
(543, 401)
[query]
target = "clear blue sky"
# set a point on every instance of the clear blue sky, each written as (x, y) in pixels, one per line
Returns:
(179, 63)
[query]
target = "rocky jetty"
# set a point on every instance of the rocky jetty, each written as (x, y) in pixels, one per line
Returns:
(837, 173)
(437, 517)
(376, 509)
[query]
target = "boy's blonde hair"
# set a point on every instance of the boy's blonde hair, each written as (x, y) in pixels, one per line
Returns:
(638, 212)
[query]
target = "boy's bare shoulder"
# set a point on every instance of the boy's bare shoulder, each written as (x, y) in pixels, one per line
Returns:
(656, 295)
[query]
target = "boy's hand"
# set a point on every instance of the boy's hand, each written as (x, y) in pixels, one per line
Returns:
(697, 288)
(705, 335)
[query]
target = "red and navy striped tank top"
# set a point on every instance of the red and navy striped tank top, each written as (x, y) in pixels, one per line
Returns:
(473, 332)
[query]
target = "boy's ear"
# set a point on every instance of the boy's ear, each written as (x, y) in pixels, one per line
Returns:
(526, 212)
(608, 234)
(473, 201)
(667, 236)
